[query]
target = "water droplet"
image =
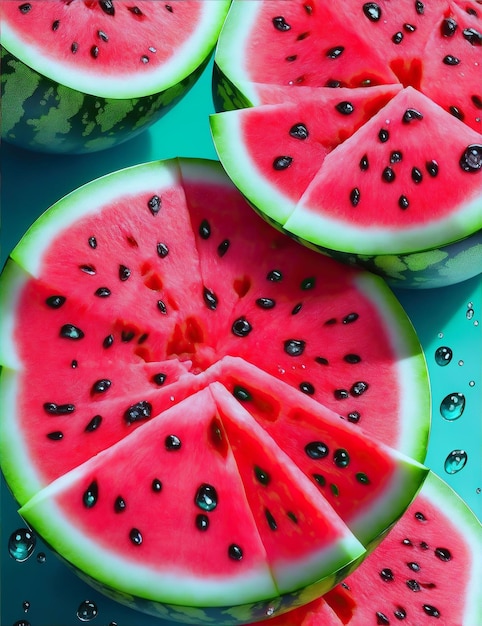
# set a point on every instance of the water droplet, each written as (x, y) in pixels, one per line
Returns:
(22, 622)
(440, 335)
(26, 606)
(470, 313)
(270, 611)
(443, 355)
(41, 558)
(460, 363)
(471, 383)
(455, 461)
(206, 497)
(452, 406)
(21, 544)
(87, 610)
(478, 490)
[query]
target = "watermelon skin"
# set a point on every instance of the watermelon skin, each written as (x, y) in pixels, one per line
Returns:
(194, 195)
(46, 114)
(365, 597)
(251, 82)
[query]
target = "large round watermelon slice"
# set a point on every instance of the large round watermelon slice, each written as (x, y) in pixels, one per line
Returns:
(356, 127)
(427, 569)
(84, 75)
(204, 418)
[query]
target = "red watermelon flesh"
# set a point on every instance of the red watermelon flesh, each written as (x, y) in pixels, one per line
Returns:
(427, 569)
(131, 366)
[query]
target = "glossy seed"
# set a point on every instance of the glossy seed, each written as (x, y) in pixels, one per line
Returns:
(431, 610)
(138, 412)
(354, 417)
(299, 131)
(383, 135)
(419, 7)
(341, 394)
(382, 619)
(294, 347)
(154, 204)
(74, 363)
(396, 156)
(69, 331)
(411, 115)
(409, 28)
(420, 516)
(321, 360)
(92, 242)
(352, 358)
(135, 10)
(280, 23)
(107, 6)
(364, 163)
(350, 318)
(316, 450)
(161, 305)
(319, 479)
(456, 112)
(415, 567)
(124, 273)
(332, 83)
(388, 175)
(204, 229)
(235, 552)
(241, 327)
(88, 269)
(172, 443)
(102, 35)
(119, 504)
(448, 27)
(471, 159)
(413, 585)
(25, 8)
(362, 478)
(334, 53)
(58, 409)
(101, 386)
(74, 47)
(91, 495)
(94, 52)
(476, 101)
(240, 393)
(55, 435)
(449, 59)
(397, 38)
(206, 497)
(265, 303)
(127, 335)
(282, 162)
(400, 613)
(355, 196)
(296, 309)
(372, 11)
(307, 388)
(443, 554)
(159, 379)
(223, 247)
(156, 485)
(274, 276)
(210, 299)
(473, 36)
(270, 519)
(341, 458)
(108, 341)
(94, 424)
(202, 522)
(55, 302)
(417, 175)
(432, 168)
(135, 536)
(403, 202)
(102, 292)
(308, 283)
(162, 250)
(55, 25)
(261, 476)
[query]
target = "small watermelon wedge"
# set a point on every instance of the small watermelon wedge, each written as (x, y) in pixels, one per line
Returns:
(84, 76)
(427, 569)
(228, 422)
(343, 132)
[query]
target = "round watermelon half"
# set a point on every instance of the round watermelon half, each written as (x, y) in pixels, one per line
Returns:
(202, 417)
(358, 130)
(85, 75)
(427, 569)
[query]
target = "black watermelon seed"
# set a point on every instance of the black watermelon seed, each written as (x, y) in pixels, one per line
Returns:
(406, 542)
(443, 554)
(108, 341)
(91, 495)
(241, 327)
(58, 409)
(411, 115)
(296, 309)
(135, 10)
(102, 292)
(74, 363)
(202, 522)
(161, 305)
(292, 517)
(350, 318)
(456, 112)
(382, 619)
(471, 159)
(107, 6)
(210, 299)
(334, 490)
(235, 552)
(101, 386)
(372, 11)
(271, 520)
(341, 394)
(102, 35)
(431, 610)
(302, 36)
(396, 156)
(144, 58)
(261, 476)
(330, 322)
(88, 269)
(204, 229)
(424, 545)
(417, 175)
(56, 435)
(280, 23)
(362, 478)
(400, 613)
(355, 196)
(154, 204)
(282, 162)
(321, 360)
(169, 8)
(124, 272)
(319, 479)
(135, 536)
(413, 585)
(240, 393)
(449, 59)
(316, 450)
(55, 302)
(162, 250)
(55, 25)
(223, 247)
(473, 36)
(364, 163)
(334, 53)
(419, 7)
(341, 458)
(333, 84)
(159, 379)
(294, 347)
(477, 101)
(94, 52)
(415, 567)
(448, 27)
(119, 504)
(352, 358)
(388, 175)
(25, 8)
(432, 168)
(143, 338)
(172, 443)
(127, 335)
(397, 38)
(74, 47)
(274, 276)
(206, 497)
(156, 485)
(383, 135)
(69, 331)
(265, 303)
(308, 283)
(92, 242)
(354, 417)
(409, 28)
(307, 388)
(472, 11)
(291, 58)
(138, 412)
(94, 424)
(403, 202)
(299, 131)
(420, 516)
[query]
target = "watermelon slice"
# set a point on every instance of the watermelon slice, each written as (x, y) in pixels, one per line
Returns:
(332, 128)
(427, 569)
(227, 353)
(84, 76)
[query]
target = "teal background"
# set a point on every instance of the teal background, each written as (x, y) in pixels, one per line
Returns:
(450, 317)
